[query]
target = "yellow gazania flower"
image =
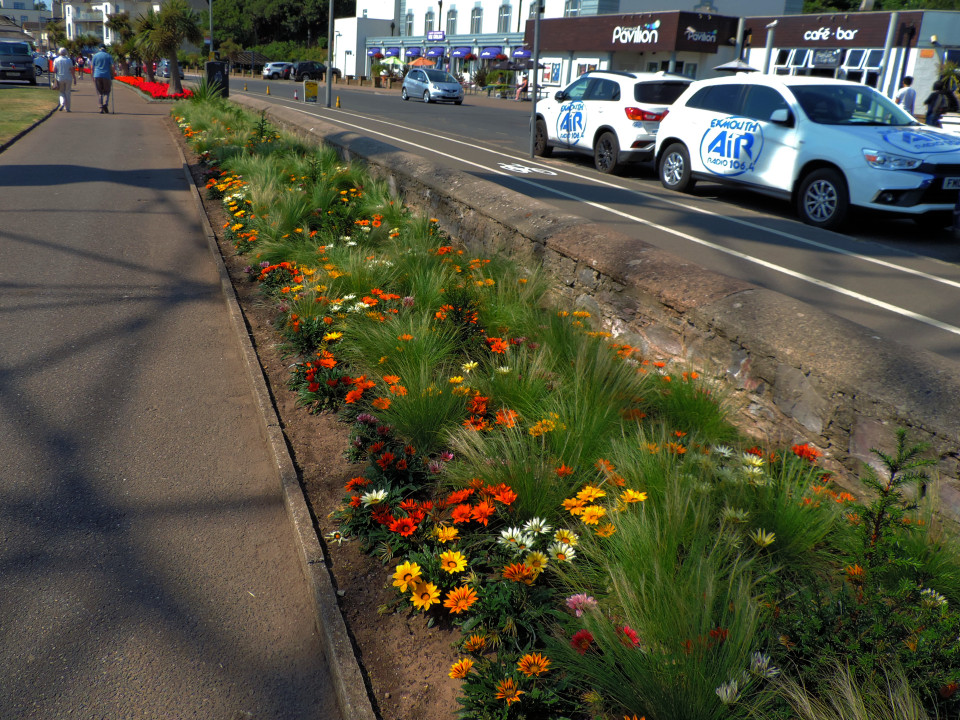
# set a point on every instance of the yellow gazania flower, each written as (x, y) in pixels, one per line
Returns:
(332, 336)
(425, 595)
(446, 534)
(456, 380)
(406, 576)
(590, 493)
(632, 496)
(469, 367)
(533, 664)
(506, 690)
(592, 513)
(574, 505)
(460, 669)
(453, 561)
(536, 561)
(606, 530)
(566, 536)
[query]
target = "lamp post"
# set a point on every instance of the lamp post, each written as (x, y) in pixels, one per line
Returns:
(535, 85)
(329, 77)
(211, 57)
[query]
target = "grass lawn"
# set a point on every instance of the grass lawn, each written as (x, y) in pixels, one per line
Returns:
(22, 106)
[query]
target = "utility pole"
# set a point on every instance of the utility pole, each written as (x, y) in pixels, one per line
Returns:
(329, 60)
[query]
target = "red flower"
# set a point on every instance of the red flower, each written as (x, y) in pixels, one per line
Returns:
(354, 484)
(581, 641)
(482, 511)
(461, 514)
(458, 496)
(628, 636)
(504, 494)
(477, 405)
(806, 452)
(403, 526)
(385, 460)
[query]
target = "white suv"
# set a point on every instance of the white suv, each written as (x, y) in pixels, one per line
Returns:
(823, 144)
(611, 115)
(274, 70)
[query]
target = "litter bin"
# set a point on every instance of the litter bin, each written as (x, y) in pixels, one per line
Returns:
(216, 72)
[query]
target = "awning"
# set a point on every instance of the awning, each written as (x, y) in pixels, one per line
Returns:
(391, 52)
(488, 53)
(521, 53)
(436, 52)
(374, 51)
(460, 52)
(413, 52)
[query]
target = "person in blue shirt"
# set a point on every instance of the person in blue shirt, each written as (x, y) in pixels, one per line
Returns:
(103, 76)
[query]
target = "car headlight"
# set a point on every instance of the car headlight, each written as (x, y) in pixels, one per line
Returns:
(888, 161)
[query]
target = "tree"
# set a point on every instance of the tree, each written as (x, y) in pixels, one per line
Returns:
(56, 32)
(230, 50)
(143, 42)
(120, 24)
(175, 23)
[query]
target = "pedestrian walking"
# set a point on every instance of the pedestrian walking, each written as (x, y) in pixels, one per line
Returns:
(906, 96)
(81, 63)
(102, 64)
(64, 71)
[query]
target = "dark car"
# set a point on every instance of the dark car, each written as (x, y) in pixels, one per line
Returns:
(16, 61)
(310, 69)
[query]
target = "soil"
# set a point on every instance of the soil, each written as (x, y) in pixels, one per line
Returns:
(405, 662)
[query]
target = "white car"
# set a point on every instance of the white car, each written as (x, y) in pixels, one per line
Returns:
(824, 144)
(613, 116)
(274, 70)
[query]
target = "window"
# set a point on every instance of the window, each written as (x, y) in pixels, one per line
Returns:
(428, 22)
(658, 93)
(718, 98)
(604, 90)
(408, 24)
(476, 20)
(578, 89)
(799, 59)
(761, 101)
(571, 8)
(653, 66)
(19, 6)
(503, 19)
(451, 22)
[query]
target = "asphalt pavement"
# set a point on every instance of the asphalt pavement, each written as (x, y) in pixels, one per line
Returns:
(147, 565)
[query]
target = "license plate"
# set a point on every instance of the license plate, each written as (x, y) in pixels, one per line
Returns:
(951, 183)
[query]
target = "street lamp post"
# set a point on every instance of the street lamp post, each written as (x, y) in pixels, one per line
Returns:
(211, 57)
(329, 59)
(536, 76)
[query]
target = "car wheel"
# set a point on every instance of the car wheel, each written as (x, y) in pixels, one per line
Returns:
(822, 200)
(426, 96)
(458, 102)
(541, 144)
(606, 153)
(675, 169)
(403, 94)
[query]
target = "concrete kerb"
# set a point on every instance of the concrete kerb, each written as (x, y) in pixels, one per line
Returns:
(348, 682)
(820, 378)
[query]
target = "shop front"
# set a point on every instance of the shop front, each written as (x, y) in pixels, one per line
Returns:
(687, 43)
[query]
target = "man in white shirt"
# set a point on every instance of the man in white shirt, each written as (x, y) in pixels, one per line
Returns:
(63, 71)
(906, 96)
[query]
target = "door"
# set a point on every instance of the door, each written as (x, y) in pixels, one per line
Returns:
(776, 145)
(572, 114)
(601, 103)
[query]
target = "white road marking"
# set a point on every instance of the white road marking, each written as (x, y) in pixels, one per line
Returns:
(362, 129)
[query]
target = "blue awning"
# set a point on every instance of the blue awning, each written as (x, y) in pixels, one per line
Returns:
(391, 52)
(374, 51)
(436, 52)
(460, 52)
(413, 52)
(521, 53)
(488, 53)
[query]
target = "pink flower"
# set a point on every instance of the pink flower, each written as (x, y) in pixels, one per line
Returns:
(580, 602)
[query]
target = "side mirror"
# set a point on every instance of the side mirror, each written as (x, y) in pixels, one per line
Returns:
(560, 96)
(782, 117)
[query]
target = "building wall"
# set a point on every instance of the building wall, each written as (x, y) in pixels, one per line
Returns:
(734, 8)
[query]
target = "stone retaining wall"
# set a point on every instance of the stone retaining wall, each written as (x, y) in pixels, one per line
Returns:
(799, 373)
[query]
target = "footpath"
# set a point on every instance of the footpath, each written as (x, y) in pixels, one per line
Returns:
(148, 566)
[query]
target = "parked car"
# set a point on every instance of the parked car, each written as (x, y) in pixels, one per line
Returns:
(823, 144)
(310, 69)
(276, 70)
(431, 86)
(42, 62)
(16, 61)
(163, 69)
(611, 115)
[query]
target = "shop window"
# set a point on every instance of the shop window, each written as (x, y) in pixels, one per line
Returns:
(690, 70)
(571, 8)
(585, 67)
(798, 62)
(653, 66)
(408, 24)
(476, 20)
(451, 22)
(871, 67)
(503, 19)
(428, 22)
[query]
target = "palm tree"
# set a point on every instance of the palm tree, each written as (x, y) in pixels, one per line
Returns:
(119, 24)
(175, 23)
(143, 42)
(56, 31)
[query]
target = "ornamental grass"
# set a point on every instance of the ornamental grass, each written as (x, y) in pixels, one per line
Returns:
(588, 517)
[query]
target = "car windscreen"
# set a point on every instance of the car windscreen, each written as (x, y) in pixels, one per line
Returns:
(15, 48)
(658, 93)
(440, 76)
(849, 105)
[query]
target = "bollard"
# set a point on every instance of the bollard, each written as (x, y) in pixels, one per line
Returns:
(268, 89)
(338, 101)
(244, 87)
(295, 95)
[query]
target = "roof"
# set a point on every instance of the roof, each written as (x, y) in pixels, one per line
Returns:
(249, 57)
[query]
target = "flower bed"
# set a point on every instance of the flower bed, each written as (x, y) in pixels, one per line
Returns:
(606, 543)
(156, 90)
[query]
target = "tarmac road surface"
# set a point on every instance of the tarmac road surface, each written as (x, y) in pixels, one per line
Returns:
(147, 567)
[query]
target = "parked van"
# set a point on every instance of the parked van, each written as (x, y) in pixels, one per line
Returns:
(16, 61)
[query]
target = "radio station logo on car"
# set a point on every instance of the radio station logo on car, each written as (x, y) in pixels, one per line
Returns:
(640, 34)
(572, 123)
(694, 35)
(731, 146)
(922, 141)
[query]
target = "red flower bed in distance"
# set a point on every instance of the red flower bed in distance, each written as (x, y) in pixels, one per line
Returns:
(156, 90)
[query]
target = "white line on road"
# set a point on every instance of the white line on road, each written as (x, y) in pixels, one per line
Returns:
(686, 236)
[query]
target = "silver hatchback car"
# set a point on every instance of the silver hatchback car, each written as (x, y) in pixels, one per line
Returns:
(431, 86)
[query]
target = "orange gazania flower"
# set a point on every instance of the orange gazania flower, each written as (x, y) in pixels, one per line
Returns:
(855, 573)
(564, 471)
(460, 599)
(353, 396)
(520, 572)
(506, 690)
(507, 418)
(398, 390)
(533, 664)
(504, 493)
(403, 526)
(406, 337)
(461, 514)
(475, 643)
(482, 511)
(391, 379)
(460, 669)
(381, 403)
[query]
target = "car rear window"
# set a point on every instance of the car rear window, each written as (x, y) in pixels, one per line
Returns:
(14, 49)
(658, 93)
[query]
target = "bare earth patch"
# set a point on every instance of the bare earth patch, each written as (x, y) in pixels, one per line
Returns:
(406, 662)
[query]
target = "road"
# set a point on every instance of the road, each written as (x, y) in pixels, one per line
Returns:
(888, 275)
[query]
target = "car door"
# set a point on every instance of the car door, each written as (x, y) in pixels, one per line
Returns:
(572, 114)
(712, 129)
(417, 83)
(775, 150)
(601, 103)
